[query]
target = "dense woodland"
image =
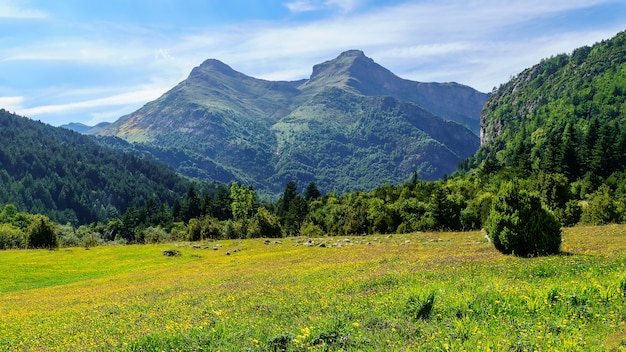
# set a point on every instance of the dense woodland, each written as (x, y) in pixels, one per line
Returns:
(556, 134)
(71, 178)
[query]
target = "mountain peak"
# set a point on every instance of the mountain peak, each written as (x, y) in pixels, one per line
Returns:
(213, 65)
(349, 67)
(351, 53)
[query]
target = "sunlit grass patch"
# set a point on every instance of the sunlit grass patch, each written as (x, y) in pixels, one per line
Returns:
(363, 295)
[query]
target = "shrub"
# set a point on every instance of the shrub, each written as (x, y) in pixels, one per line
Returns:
(211, 228)
(155, 235)
(519, 224)
(68, 236)
(42, 233)
(601, 208)
(179, 231)
(194, 230)
(11, 237)
(265, 224)
(572, 213)
(228, 230)
(92, 239)
(309, 229)
(475, 214)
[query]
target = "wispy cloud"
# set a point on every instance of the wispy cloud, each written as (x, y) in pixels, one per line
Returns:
(345, 5)
(11, 103)
(12, 9)
(133, 97)
(299, 6)
(475, 42)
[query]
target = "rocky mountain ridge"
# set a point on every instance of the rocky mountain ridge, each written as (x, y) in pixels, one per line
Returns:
(351, 120)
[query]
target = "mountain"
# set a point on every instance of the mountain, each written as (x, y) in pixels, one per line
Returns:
(353, 125)
(76, 127)
(354, 71)
(566, 114)
(85, 129)
(71, 178)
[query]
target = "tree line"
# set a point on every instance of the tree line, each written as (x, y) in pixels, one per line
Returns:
(458, 203)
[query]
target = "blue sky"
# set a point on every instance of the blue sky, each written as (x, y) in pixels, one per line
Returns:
(91, 61)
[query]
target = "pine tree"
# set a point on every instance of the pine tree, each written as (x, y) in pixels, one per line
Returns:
(191, 207)
(568, 154)
(288, 195)
(221, 204)
(444, 212)
(298, 209)
(311, 192)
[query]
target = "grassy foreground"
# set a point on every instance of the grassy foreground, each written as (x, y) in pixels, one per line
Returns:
(422, 291)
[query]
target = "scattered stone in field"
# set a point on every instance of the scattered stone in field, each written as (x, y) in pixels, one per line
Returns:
(233, 251)
(347, 240)
(323, 245)
(171, 253)
(267, 242)
(195, 246)
(309, 243)
(216, 248)
(407, 241)
(277, 242)
(339, 245)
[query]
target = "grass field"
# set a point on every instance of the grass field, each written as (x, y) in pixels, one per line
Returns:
(422, 291)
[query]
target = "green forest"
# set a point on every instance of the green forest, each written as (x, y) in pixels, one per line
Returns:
(71, 178)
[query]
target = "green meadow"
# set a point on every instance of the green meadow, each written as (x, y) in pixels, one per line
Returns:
(418, 292)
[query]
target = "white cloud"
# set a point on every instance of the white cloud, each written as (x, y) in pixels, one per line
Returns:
(133, 97)
(11, 103)
(301, 6)
(10, 9)
(344, 5)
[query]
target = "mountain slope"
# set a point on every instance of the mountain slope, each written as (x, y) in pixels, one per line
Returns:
(352, 126)
(566, 114)
(69, 177)
(354, 71)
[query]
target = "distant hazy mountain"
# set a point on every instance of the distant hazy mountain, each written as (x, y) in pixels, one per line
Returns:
(85, 129)
(353, 125)
(76, 127)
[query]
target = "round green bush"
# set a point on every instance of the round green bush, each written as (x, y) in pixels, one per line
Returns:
(518, 224)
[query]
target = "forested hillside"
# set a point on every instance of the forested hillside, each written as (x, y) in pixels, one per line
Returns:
(566, 114)
(70, 178)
